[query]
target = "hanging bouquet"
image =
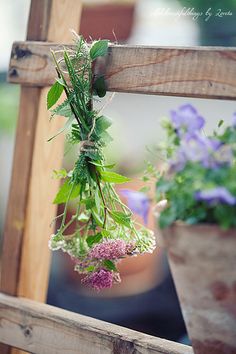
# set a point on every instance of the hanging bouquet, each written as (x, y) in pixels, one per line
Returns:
(200, 184)
(104, 230)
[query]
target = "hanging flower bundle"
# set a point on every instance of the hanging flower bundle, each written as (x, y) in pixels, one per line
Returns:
(104, 230)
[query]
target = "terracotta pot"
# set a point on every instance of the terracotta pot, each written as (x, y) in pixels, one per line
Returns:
(203, 264)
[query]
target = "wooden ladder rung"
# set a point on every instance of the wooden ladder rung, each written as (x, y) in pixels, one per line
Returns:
(40, 328)
(203, 72)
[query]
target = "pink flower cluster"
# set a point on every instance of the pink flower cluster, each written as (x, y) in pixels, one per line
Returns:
(100, 279)
(112, 249)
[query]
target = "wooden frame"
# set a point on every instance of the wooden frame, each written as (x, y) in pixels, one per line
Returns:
(201, 72)
(194, 72)
(44, 329)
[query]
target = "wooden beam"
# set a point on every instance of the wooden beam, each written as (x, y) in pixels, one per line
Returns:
(40, 328)
(35, 257)
(24, 143)
(204, 72)
(26, 258)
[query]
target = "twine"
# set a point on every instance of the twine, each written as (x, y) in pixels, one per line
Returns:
(87, 146)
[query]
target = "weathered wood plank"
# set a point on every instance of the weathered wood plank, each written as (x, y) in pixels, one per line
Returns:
(25, 134)
(40, 328)
(23, 154)
(205, 72)
(25, 245)
(35, 257)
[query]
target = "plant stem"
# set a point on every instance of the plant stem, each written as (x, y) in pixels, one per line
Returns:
(103, 199)
(61, 76)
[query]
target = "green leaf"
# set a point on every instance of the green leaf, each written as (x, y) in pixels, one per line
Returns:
(100, 165)
(66, 192)
(105, 233)
(66, 126)
(58, 174)
(63, 110)
(99, 87)
(92, 239)
(120, 218)
(102, 123)
(90, 269)
(110, 265)
(97, 201)
(105, 138)
(97, 218)
(89, 203)
(99, 49)
(61, 82)
(54, 94)
(220, 123)
(112, 177)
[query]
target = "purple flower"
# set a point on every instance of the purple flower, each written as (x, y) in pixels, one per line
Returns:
(186, 120)
(100, 279)
(216, 195)
(202, 149)
(138, 202)
(111, 249)
(210, 152)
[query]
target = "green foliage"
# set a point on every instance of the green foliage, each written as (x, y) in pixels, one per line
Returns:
(99, 87)
(54, 94)
(58, 174)
(91, 240)
(110, 265)
(112, 177)
(67, 192)
(99, 49)
(121, 218)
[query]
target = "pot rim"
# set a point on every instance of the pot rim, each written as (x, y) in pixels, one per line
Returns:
(201, 226)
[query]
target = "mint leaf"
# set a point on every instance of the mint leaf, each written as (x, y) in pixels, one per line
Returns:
(113, 177)
(92, 239)
(121, 218)
(99, 49)
(54, 94)
(110, 265)
(66, 191)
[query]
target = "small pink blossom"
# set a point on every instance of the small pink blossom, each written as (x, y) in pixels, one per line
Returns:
(100, 279)
(111, 249)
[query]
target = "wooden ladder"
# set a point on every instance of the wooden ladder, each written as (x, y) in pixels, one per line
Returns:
(26, 322)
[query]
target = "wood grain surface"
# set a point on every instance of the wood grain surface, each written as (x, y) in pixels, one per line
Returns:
(21, 170)
(204, 72)
(43, 329)
(35, 258)
(26, 258)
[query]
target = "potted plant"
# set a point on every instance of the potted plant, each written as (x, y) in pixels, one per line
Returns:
(198, 226)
